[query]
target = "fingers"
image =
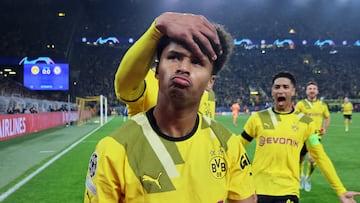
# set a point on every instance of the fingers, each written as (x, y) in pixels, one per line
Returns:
(352, 193)
(195, 30)
(210, 39)
(348, 197)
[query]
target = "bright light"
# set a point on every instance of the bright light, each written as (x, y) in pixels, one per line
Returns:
(50, 46)
(61, 14)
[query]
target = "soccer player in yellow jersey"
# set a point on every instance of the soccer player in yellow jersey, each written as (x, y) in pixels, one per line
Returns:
(347, 109)
(135, 83)
(280, 133)
(173, 153)
(316, 109)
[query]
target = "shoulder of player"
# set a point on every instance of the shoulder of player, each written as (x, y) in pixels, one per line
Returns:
(302, 117)
(321, 102)
(131, 131)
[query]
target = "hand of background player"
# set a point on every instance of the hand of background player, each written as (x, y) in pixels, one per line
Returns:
(322, 131)
(348, 197)
(193, 30)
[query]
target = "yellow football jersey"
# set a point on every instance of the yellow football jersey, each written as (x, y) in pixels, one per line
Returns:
(347, 108)
(279, 139)
(208, 165)
(317, 110)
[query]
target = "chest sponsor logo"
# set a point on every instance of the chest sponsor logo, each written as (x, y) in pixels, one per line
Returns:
(277, 140)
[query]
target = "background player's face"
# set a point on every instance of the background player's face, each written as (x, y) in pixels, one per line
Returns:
(283, 91)
(182, 76)
(312, 91)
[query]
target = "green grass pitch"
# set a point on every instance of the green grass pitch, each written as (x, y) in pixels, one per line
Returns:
(63, 180)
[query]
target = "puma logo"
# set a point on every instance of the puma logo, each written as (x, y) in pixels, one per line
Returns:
(151, 179)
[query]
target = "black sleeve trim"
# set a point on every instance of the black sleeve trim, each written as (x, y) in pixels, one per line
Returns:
(246, 136)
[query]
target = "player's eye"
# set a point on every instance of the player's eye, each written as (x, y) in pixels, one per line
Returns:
(174, 56)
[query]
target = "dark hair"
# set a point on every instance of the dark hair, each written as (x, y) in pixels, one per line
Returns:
(226, 42)
(285, 74)
(312, 83)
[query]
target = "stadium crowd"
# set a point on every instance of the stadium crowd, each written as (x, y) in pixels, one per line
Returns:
(93, 66)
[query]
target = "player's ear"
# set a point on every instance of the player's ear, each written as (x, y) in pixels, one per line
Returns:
(211, 83)
(293, 92)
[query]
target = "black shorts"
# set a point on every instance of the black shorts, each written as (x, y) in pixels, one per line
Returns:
(303, 151)
(278, 199)
(348, 116)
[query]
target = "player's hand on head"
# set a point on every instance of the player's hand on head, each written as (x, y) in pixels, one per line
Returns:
(348, 197)
(194, 30)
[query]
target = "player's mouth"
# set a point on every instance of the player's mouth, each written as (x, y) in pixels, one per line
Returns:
(181, 82)
(281, 100)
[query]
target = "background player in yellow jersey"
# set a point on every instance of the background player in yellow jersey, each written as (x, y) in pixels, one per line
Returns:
(135, 82)
(280, 133)
(173, 153)
(316, 109)
(347, 109)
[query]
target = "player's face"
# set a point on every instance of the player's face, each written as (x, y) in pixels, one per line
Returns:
(312, 91)
(182, 76)
(282, 92)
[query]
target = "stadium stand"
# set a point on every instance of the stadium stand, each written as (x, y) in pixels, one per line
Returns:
(93, 66)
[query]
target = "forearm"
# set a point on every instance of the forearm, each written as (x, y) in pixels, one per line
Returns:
(326, 123)
(327, 168)
(135, 65)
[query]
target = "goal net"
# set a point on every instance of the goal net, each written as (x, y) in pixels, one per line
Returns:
(92, 109)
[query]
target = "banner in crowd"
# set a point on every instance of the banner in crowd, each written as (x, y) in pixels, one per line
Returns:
(14, 125)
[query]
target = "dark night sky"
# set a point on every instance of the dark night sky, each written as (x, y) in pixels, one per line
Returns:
(244, 15)
(27, 22)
